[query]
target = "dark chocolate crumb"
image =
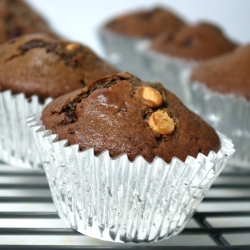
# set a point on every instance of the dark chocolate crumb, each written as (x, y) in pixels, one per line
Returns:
(33, 44)
(188, 42)
(83, 82)
(69, 118)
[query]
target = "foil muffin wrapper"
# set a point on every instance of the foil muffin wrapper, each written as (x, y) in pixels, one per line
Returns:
(121, 51)
(164, 68)
(225, 112)
(17, 147)
(122, 201)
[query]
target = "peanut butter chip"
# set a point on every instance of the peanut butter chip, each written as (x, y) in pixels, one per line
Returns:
(73, 46)
(149, 96)
(161, 123)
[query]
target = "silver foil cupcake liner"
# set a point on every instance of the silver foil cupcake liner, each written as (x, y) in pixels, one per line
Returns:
(225, 112)
(122, 201)
(163, 68)
(121, 51)
(17, 146)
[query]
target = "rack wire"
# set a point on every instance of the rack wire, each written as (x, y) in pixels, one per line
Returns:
(28, 219)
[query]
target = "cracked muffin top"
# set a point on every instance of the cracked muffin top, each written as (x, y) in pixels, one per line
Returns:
(228, 74)
(145, 23)
(123, 114)
(40, 65)
(200, 42)
(17, 19)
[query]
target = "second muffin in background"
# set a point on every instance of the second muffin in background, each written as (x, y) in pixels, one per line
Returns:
(34, 68)
(170, 53)
(120, 35)
(40, 65)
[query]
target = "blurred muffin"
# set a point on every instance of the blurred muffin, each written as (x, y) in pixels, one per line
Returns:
(198, 43)
(132, 200)
(219, 90)
(228, 74)
(169, 54)
(37, 64)
(32, 69)
(17, 19)
(121, 35)
(145, 23)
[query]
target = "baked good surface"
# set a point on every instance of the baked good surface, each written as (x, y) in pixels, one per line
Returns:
(199, 42)
(17, 18)
(145, 23)
(122, 114)
(37, 64)
(228, 74)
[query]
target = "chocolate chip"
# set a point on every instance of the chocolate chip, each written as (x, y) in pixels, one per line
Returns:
(51, 47)
(33, 44)
(83, 82)
(69, 118)
(188, 42)
(72, 63)
(71, 131)
(14, 32)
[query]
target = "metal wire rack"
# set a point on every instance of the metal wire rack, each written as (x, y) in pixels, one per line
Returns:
(28, 219)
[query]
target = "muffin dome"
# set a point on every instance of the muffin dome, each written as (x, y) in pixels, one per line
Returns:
(40, 65)
(228, 74)
(145, 23)
(198, 43)
(123, 114)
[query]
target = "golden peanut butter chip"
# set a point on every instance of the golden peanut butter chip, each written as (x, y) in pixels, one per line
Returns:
(149, 96)
(73, 46)
(161, 123)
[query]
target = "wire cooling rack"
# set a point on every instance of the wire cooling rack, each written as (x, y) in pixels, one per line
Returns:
(28, 219)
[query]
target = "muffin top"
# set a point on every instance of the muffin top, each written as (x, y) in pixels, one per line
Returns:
(123, 114)
(37, 64)
(145, 23)
(17, 18)
(228, 74)
(199, 42)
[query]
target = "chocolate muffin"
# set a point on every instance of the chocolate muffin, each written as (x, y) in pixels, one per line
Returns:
(145, 23)
(200, 42)
(37, 64)
(17, 18)
(123, 114)
(228, 74)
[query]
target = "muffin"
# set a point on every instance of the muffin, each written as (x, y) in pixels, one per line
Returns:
(197, 43)
(219, 90)
(37, 64)
(121, 34)
(145, 23)
(171, 53)
(126, 161)
(34, 68)
(17, 19)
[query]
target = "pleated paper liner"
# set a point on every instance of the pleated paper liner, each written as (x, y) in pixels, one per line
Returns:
(17, 146)
(122, 201)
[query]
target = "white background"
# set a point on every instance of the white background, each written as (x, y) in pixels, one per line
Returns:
(78, 20)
